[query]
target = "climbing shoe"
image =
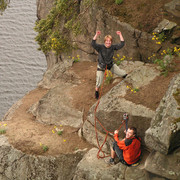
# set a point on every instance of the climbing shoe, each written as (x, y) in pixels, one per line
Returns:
(110, 161)
(135, 164)
(96, 94)
(124, 76)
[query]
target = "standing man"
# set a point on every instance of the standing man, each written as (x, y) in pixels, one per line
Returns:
(127, 150)
(105, 58)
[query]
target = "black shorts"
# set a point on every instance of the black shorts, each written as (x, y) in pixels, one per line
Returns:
(119, 153)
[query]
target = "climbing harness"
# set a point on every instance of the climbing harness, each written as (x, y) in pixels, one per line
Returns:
(124, 122)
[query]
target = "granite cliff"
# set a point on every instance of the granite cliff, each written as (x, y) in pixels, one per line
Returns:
(64, 99)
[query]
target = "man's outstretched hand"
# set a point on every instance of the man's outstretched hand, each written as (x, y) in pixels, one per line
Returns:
(118, 33)
(116, 132)
(98, 33)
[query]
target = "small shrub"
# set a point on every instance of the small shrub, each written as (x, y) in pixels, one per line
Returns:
(177, 51)
(134, 90)
(59, 133)
(2, 131)
(165, 61)
(166, 64)
(76, 59)
(159, 37)
(3, 5)
(162, 37)
(109, 77)
(118, 59)
(118, 2)
(45, 148)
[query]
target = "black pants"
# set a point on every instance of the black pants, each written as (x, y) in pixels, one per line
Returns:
(119, 153)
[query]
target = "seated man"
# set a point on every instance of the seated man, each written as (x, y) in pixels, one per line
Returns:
(127, 150)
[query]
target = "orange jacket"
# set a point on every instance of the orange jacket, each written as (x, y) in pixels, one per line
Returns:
(131, 148)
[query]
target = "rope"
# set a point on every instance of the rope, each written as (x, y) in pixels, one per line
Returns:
(97, 120)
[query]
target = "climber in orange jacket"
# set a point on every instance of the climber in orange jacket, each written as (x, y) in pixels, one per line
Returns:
(127, 150)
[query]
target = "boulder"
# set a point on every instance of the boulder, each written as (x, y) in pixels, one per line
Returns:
(113, 105)
(43, 8)
(110, 114)
(56, 108)
(56, 73)
(167, 166)
(17, 165)
(173, 7)
(11, 111)
(165, 25)
(89, 133)
(163, 135)
(176, 36)
(92, 168)
(141, 76)
(130, 66)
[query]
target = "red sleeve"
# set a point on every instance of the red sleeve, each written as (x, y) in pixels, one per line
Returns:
(121, 144)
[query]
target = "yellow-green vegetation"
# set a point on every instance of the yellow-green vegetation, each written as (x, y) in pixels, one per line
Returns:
(165, 58)
(76, 148)
(159, 37)
(3, 5)
(51, 34)
(134, 90)
(75, 59)
(109, 76)
(166, 64)
(119, 59)
(3, 128)
(44, 147)
(2, 131)
(118, 2)
(59, 133)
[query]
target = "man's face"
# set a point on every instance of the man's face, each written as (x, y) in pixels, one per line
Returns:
(129, 133)
(107, 42)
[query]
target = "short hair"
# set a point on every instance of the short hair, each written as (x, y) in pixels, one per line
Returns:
(108, 36)
(134, 130)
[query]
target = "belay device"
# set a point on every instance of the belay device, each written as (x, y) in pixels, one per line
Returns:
(126, 118)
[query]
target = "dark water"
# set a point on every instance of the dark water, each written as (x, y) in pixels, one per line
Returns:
(21, 64)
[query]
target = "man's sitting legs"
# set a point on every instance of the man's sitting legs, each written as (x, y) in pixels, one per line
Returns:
(119, 152)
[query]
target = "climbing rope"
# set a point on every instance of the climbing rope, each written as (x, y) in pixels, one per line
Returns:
(124, 122)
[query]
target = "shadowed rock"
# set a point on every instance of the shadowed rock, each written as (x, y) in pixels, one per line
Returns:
(164, 132)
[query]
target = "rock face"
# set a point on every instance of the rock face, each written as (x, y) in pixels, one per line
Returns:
(165, 25)
(167, 166)
(43, 8)
(113, 105)
(173, 7)
(92, 168)
(49, 110)
(17, 165)
(164, 132)
(139, 45)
